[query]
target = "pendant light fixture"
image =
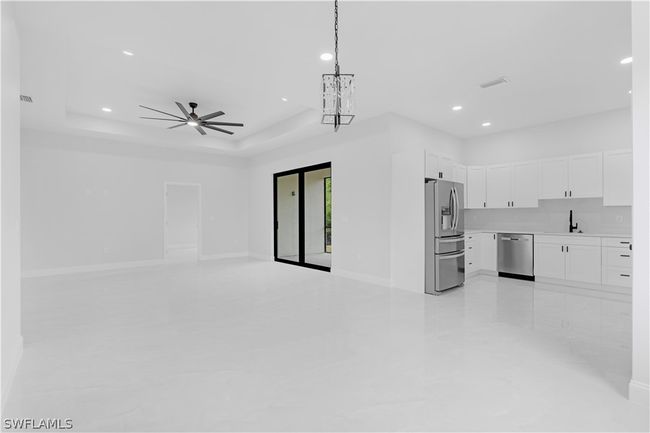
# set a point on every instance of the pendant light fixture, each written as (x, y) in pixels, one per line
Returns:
(338, 89)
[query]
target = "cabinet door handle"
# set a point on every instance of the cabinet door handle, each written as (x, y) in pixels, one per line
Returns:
(570, 193)
(625, 255)
(562, 248)
(567, 248)
(565, 193)
(494, 235)
(624, 275)
(624, 243)
(483, 204)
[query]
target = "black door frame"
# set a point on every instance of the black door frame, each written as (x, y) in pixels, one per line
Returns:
(301, 215)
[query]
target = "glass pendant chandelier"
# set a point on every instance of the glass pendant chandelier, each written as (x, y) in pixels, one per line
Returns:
(338, 89)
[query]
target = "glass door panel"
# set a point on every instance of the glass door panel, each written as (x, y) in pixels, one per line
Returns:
(318, 217)
(287, 218)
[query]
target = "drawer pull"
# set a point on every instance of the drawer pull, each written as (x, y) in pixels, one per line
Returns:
(625, 255)
(624, 275)
(625, 243)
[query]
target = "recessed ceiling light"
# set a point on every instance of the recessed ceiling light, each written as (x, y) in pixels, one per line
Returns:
(486, 124)
(284, 99)
(191, 123)
(629, 91)
(626, 60)
(127, 53)
(106, 109)
(457, 107)
(326, 57)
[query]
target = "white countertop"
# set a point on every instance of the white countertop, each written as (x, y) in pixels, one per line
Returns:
(533, 232)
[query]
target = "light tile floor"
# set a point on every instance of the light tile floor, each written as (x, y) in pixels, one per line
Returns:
(248, 345)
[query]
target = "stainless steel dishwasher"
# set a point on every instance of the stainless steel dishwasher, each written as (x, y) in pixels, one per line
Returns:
(515, 255)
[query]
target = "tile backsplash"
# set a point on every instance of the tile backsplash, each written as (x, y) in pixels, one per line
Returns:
(553, 216)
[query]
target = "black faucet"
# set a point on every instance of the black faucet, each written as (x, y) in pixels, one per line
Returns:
(572, 226)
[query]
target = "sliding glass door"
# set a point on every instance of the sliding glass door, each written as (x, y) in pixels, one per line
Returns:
(303, 216)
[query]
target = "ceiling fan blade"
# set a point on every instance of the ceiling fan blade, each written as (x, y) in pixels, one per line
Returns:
(211, 115)
(198, 128)
(162, 112)
(218, 129)
(160, 118)
(187, 115)
(176, 126)
(224, 123)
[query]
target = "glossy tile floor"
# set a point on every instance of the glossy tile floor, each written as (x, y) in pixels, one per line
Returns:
(247, 345)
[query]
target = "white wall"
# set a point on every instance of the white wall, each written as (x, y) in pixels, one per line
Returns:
(641, 203)
(594, 133)
(409, 143)
(10, 187)
(360, 196)
(183, 205)
(85, 206)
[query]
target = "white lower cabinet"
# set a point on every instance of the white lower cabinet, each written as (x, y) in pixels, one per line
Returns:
(549, 260)
(480, 252)
(617, 262)
(583, 263)
(472, 253)
(489, 251)
(568, 258)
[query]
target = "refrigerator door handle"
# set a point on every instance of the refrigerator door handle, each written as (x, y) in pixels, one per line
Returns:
(450, 256)
(450, 240)
(455, 217)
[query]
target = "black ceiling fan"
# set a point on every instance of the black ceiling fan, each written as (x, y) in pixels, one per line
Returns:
(193, 119)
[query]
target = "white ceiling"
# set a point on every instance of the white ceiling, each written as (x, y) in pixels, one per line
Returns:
(415, 59)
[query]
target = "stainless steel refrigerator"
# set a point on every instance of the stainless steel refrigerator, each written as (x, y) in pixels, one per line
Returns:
(444, 236)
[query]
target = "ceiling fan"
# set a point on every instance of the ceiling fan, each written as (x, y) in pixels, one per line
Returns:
(193, 119)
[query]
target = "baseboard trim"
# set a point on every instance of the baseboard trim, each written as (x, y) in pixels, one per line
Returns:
(123, 265)
(587, 286)
(639, 393)
(366, 278)
(205, 257)
(92, 268)
(7, 382)
(261, 257)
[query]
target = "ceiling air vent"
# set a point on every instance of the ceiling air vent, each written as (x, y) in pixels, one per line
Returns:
(25, 98)
(500, 80)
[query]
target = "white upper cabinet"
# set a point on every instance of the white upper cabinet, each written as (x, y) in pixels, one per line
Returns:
(578, 176)
(498, 186)
(475, 187)
(431, 170)
(554, 178)
(617, 175)
(460, 174)
(439, 167)
(586, 176)
(525, 184)
(446, 168)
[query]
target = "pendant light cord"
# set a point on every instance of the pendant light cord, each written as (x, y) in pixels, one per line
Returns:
(336, 37)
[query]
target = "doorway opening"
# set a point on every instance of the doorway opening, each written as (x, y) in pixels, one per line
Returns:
(182, 231)
(302, 213)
